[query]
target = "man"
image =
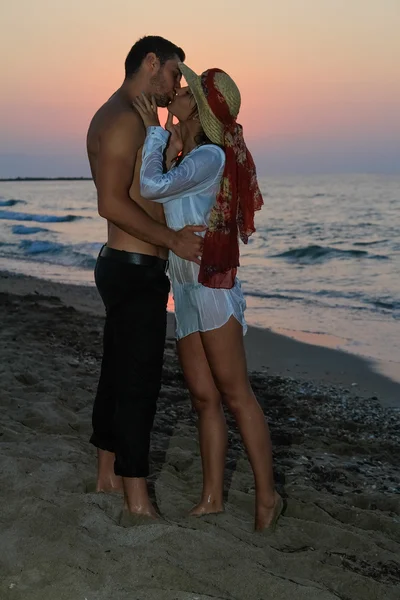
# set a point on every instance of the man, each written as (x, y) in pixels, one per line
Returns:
(130, 276)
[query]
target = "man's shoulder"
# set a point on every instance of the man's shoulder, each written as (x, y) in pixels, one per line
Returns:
(123, 121)
(110, 121)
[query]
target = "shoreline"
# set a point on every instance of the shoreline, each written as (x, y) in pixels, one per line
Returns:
(266, 350)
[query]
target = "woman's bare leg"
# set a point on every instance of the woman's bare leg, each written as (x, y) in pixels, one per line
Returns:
(226, 357)
(206, 401)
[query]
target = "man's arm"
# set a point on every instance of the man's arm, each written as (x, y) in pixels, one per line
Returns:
(119, 146)
(115, 168)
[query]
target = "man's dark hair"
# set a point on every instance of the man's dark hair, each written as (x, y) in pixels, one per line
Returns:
(162, 48)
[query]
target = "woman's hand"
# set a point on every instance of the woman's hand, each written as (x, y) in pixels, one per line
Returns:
(147, 110)
(175, 143)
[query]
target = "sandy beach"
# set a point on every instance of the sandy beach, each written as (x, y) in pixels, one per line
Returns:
(335, 427)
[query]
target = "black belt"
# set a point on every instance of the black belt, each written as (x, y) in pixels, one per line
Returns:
(134, 258)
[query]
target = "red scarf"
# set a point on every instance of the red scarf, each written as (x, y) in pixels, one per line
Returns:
(237, 200)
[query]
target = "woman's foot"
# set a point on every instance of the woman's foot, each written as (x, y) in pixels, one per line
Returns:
(267, 514)
(207, 507)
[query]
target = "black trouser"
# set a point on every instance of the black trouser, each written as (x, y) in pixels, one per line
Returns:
(135, 298)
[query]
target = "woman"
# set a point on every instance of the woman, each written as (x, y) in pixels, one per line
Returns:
(213, 182)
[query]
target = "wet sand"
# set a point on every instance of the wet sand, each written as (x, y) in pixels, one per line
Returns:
(336, 445)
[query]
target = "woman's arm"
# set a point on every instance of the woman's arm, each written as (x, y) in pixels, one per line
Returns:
(194, 173)
(170, 157)
(175, 144)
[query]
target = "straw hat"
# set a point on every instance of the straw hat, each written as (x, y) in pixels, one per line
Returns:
(213, 128)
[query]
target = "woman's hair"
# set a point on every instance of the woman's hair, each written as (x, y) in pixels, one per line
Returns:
(201, 137)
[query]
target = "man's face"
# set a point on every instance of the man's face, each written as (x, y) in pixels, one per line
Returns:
(165, 83)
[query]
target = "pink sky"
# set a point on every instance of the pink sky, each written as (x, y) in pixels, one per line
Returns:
(314, 74)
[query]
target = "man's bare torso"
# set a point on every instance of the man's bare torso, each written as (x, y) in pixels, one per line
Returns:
(104, 119)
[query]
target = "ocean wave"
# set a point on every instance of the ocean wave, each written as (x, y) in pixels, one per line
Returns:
(24, 230)
(274, 296)
(56, 253)
(11, 202)
(18, 216)
(385, 303)
(372, 243)
(315, 253)
(81, 256)
(352, 300)
(31, 247)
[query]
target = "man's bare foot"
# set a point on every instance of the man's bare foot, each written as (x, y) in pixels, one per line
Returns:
(267, 514)
(103, 487)
(112, 485)
(136, 513)
(107, 481)
(129, 519)
(207, 507)
(137, 500)
(146, 510)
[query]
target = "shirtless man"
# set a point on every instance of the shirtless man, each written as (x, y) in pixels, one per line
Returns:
(130, 276)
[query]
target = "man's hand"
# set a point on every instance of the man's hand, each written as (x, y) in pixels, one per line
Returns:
(187, 244)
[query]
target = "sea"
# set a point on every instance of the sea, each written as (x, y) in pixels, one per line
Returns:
(323, 266)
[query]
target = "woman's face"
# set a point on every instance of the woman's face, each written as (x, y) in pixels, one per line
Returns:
(183, 105)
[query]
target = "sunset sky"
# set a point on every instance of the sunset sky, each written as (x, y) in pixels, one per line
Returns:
(320, 79)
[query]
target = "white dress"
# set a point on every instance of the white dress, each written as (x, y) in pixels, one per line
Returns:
(188, 193)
